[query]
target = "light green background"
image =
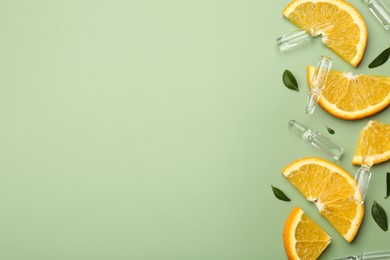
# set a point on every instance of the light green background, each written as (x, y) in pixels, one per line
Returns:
(153, 130)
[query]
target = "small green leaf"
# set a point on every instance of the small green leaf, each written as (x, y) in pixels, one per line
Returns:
(382, 58)
(330, 130)
(279, 194)
(289, 80)
(387, 185)
(379, 215)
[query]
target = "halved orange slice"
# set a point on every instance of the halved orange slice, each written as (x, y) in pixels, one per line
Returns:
(348, 96)
(303, 238)
(374, 142)
(345, 32)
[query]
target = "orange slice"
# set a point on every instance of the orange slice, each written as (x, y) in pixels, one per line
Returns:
(342, 27)
(303, 238)
(330, 188)
(374, 142)
(352, 97)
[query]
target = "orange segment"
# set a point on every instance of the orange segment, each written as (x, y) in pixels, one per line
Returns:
(352, 97)
(303, 238)
(345, 32)
(330, 188)
(374, 142)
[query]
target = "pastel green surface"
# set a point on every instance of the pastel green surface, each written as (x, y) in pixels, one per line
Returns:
(154, 130)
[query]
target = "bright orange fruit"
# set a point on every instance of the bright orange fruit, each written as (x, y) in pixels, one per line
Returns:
(303, 238)
(374, 143)
(352, 97)
(345, 32)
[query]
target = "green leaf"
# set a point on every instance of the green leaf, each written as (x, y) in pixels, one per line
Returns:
(279, 194)
(379, 215)
(330, 130)
(289, 80)
(382, 58)
(387, 185)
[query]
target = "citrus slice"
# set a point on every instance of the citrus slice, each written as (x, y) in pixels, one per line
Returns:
(330, 188)
(303, 238)
(342, 27)
(352, 97)
(374, 142)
